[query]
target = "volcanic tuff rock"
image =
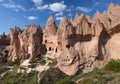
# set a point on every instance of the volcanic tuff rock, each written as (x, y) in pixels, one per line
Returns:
(4, 42)
(78, 45)
(83, 27)
(62, 26)
(25, 44)
(30, 42)
(14, 44)
(4, 39)
(50, 26)
(4, 47)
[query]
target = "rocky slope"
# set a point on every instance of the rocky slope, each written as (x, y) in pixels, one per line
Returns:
(79, 45)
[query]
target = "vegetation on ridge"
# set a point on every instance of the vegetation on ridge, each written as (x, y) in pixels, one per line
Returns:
(110, 74)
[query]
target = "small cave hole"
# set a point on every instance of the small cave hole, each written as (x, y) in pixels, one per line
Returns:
(45, 41)
(49, 48)
(68, 46)
(56, 50)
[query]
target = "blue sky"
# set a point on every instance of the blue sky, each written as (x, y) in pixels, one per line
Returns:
(22, 12)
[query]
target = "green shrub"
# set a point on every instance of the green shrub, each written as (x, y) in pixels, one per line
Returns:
(101, 79)
(51, 76)
(49, 59)
(86, 81)
(22, 67)
(113, 65)
(93, 73)
(43, 73)
(65, 81)
(4, 69)
(33, 65)
(42, 62)
(53, 63)
(15, 62)
(116, 80)
(23, 78)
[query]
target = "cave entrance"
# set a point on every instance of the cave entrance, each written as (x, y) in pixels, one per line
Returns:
(56, 50)
(49, 48)
(45, 41)
(68, 46)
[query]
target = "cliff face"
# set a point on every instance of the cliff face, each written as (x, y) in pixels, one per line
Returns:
(78, 45)
(25, 44)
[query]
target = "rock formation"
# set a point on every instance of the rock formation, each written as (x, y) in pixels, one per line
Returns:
(30, 42)
(50, 26)
(14, 51)
(4, 47)
(49, 38)
(4, 39)
(25, 44)
(78, 45)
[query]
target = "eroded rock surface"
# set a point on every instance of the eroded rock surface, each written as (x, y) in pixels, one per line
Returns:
(14, 52)
(78, 45)
(25, 44)
(30, 42)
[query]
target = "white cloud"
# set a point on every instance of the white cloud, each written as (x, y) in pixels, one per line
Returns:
(54, 7)
(39, 6)
(37, 2)
(1, 0)
(84, 9)
(57, 6)
(59, 14)
(59, 18)
(42, 7)
(14, 6)
(32, 17)
(71, 8)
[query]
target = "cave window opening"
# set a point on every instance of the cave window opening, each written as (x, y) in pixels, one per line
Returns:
(49, 48)
(59, 43)
(68, 46)
(45, 41)
(56, 50)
